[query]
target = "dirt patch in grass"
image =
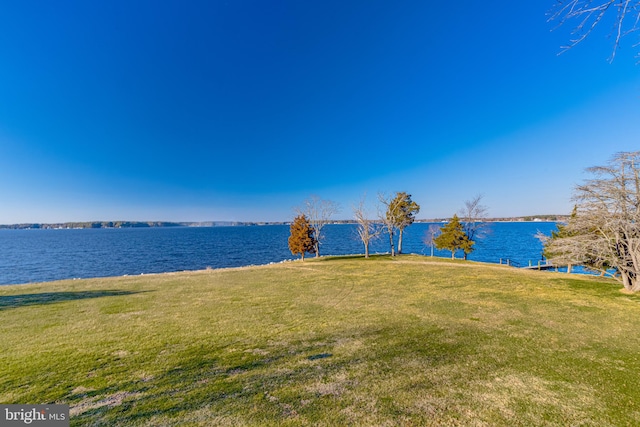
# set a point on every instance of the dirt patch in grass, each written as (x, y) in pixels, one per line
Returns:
(333, 386)
(109, 401)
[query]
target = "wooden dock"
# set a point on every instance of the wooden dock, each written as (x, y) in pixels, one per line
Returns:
(546, 266)
(539, 266)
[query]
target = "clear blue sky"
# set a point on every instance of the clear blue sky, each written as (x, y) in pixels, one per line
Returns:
(239, 110)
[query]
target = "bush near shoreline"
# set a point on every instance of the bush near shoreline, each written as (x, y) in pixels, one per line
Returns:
(332, 341)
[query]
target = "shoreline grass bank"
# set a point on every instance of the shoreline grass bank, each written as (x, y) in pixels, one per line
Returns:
(332, 341)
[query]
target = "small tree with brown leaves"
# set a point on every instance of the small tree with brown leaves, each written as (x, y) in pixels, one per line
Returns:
(301, 239)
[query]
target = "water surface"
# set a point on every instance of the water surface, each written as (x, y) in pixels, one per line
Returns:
(45, 255)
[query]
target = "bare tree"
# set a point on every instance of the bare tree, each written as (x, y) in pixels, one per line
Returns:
(388, 221)
(430, 235)
(587, 14)
(605, 233)
(562, 232)
(544, 239)
(367, 229)
(473, 217)
(319, 212)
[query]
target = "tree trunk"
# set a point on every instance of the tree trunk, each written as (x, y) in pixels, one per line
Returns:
(569, 269)
(453, 254)
(393, 250)
(629, 282)
(366, 250)
(465, 256)
(302, 256)
(317, 247)
(400, 241)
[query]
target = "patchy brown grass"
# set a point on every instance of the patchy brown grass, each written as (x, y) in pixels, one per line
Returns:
(345, 341)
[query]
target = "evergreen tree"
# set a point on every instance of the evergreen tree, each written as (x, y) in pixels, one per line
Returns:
(301, 239)
(452, 237)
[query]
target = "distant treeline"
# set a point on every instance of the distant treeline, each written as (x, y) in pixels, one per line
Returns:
(147, 224)
(551, 218)
(95, 224)
(130, 224)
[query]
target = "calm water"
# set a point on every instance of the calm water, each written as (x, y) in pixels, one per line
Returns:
(45, 255)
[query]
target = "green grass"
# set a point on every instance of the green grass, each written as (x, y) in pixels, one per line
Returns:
(335, 341)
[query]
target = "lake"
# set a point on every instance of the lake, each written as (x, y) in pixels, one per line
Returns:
(44, 255)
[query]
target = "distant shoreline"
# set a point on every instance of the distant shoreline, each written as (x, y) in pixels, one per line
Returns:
(130, 224)
(156, 224)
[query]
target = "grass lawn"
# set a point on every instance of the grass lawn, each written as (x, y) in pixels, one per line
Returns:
(334, 341)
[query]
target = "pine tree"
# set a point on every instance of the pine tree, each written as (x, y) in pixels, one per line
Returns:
(301, 239)
(452, 238)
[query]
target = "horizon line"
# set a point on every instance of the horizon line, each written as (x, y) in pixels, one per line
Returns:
(161, 223)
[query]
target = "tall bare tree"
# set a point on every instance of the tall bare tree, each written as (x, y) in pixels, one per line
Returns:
(319, 213)
(388, 221)
(367, 228)
(587, 14)
(473, 217)
(605, 233)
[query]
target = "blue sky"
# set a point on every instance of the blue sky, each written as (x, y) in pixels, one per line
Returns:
(239, 110)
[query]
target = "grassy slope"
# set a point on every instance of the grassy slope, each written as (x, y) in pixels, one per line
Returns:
(411, 341)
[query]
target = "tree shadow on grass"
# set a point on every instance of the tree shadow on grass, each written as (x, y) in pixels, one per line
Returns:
(23, 300)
